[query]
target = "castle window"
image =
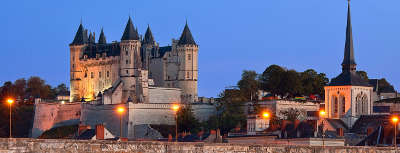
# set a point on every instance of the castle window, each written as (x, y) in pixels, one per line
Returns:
(126, 52)
(108, 74)
(126, 61)
(85, 74)
(73, 66)
(73, 58)
(91, 74)
(127, 72)
(187, 74)
(99, 74)
(189, 57)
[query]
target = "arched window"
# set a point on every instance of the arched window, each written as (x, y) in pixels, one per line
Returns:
(335, 106)
(343, 103)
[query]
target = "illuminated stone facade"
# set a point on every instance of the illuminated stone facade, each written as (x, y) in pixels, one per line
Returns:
(122, 71)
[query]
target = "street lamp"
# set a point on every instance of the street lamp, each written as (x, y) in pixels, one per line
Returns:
(175, 108)
(322, 114)
(120, 111)
(266, 116)
(10, 102)
(395, 121)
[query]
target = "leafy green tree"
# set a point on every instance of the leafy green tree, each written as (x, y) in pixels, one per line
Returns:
(291, 83)
(271, 79)
(249, 84)
(187, 121)
(61, 89)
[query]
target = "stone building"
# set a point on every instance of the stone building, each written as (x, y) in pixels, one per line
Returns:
(118, 72)
(348, 96)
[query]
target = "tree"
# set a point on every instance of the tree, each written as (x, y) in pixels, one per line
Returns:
(187, 120)
(313, 83)
(249, 85)
(291, 83)
(61, 89)
(271, 79)
(20, 88)
(363, 75)
(291, 114)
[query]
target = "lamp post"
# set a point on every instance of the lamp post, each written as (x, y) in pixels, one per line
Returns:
(175, 108)
(266, 116)
(120, 111)
(395, 121)
(10, 102)
(322, 113)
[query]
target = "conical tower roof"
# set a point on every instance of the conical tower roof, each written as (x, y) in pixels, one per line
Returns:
(102, 38)
(80, 37)
(186, 37)
(349, 62)
(91, 38)
(148, 37)
(130, 33)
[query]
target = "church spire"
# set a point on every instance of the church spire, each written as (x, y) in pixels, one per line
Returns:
(148, 36)
(186, 37)
(349, 63)
(130, 33)
(102, 38)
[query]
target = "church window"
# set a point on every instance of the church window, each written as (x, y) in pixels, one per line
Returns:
(91, 74)
(189, 57)
(108, 74)
(99, 74)
(343, 106)
(336, 106)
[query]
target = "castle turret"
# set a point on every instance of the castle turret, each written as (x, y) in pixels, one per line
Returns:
(76, 49)
(102, 38)
(130, 62)
(188, 68)
(148, 48)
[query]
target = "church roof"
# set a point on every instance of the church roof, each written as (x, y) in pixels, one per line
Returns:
(349, 49)
(80, 36)
(348, 78)
(148, 37)
(102, 38)
(130, 33)
(348, 75)
(186, 37)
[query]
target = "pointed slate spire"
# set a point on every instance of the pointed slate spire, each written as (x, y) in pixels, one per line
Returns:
(102, 38)
(349, 63)
(130, 33)
(80, 38)
(186, 37)
(91, 38)
(148, 36)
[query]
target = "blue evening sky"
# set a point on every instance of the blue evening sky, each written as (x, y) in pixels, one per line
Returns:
(233, 35)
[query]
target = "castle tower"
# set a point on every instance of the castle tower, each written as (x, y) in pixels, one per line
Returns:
(130, 64)
(348, 95)
(76, 49)
(148, 47)
(188, 65)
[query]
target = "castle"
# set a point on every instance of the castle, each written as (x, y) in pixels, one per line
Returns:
(120, 72)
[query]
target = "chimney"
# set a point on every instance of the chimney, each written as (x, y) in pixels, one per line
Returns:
(339, 132)
(100, 132)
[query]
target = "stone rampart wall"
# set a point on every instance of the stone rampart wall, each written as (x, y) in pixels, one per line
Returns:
(49, 115)
(90, 146)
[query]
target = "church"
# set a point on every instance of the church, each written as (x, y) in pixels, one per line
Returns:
(348, 96)
(120, 72)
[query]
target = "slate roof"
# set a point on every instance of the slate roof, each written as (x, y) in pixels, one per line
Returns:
(348, 78)
(112, 49)
(130, 32)
(186, 37)
(87, 134)
(102, 38)
(348, 75)
(337, 123)
(164, 50)
(365, 121)
(349, 49)
(80, 36)
(148, 37)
